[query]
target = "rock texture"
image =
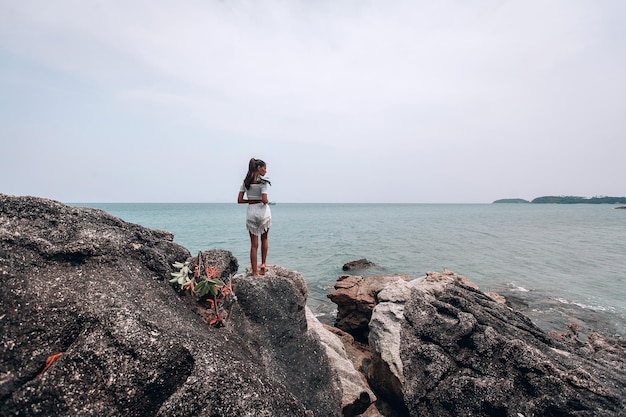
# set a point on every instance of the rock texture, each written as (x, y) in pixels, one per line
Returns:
(459, 343)
(441, 347)
(82, 283)
(355, 297)
(272, 318)
(357, 397)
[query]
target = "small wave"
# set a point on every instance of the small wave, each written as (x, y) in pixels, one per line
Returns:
(584, 306)
(515, 287)
(331, 313)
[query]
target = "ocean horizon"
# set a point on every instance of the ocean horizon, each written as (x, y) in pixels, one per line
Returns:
(556, 263)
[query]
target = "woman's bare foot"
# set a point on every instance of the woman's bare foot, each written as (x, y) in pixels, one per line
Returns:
(262, 269)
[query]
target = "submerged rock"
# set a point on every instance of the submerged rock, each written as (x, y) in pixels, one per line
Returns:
(359, 265)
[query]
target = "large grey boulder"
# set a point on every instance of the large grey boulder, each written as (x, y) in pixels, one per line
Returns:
(465, 354)
(272, 318)
(92, 287)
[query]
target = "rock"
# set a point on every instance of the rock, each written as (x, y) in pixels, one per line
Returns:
(386, 371)
(358, 352)
(357, 396)
(222, 260)
(355, 297)
(441, 347)
(271, 318)
(92, 287)
(90, 326)
(359, 265)
(497, 297)
(465, 354)
(227, 265)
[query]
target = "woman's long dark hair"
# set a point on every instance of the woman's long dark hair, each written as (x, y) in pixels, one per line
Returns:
(253, 165)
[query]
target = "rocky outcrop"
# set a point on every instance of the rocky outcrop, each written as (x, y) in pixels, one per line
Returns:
(355, 297)
(441, 347)
(357, 397)
(91, 327)
(273, 320)
(495, 361)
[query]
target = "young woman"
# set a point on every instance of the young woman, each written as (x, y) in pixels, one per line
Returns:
(259, 216)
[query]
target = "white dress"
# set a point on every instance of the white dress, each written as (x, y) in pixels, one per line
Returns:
(259, 215)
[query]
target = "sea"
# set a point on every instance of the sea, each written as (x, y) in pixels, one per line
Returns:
(559, 264)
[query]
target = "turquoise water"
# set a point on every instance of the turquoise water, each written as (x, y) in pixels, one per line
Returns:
(566, 260)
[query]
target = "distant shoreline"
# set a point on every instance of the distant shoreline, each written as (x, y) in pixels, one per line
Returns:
(564, 200)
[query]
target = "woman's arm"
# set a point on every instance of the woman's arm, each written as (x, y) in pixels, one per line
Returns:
(264, 198)
(242, 200)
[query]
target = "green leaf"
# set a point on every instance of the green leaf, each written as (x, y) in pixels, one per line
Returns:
(202, 288)
(217, 282)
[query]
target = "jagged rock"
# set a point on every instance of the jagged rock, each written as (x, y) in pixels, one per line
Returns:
(358, 352)
(271, 318)
(465, 354)
(372, 411)
(93, 287)
(355, 297)
(386, 371)
(441, 347)
(359, 265)
(357, 396)
(497, 297)
(220, 259)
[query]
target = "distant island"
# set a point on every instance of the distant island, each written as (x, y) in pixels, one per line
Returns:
(566, 200)
(512, 201)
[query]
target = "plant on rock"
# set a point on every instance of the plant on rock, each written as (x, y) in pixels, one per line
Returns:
(200, 280)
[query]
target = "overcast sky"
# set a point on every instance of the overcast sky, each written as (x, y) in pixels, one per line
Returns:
(346, 101)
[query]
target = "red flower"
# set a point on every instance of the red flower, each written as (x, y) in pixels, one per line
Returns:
(212, 272)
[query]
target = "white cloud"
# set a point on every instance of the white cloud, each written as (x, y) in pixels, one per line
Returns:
(399, 80)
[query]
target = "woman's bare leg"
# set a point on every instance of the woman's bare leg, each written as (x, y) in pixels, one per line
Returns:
(264, 247)
(254, 246)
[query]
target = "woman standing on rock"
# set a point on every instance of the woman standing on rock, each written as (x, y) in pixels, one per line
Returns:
(259, 215)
